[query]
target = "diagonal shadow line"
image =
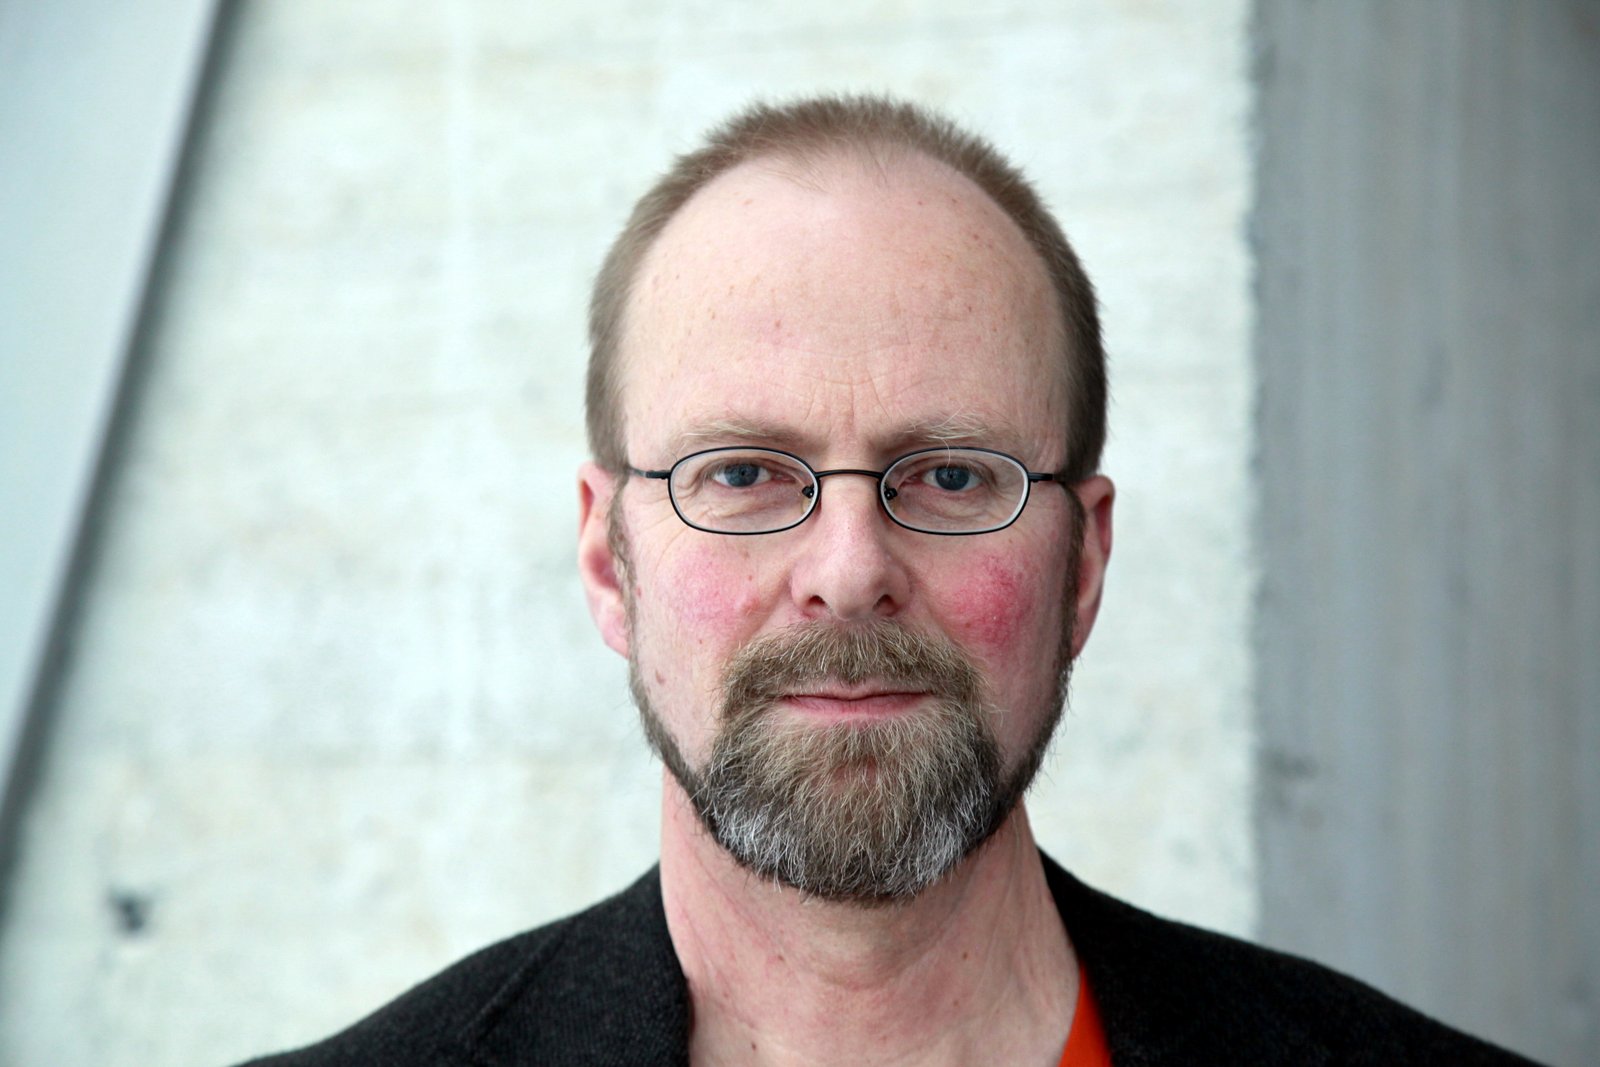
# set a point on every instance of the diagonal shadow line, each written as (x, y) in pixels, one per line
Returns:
(42, 707)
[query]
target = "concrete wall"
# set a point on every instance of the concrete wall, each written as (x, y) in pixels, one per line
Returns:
(335, 714)
(1429, 356)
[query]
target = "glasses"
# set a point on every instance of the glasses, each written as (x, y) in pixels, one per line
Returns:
(950, 491)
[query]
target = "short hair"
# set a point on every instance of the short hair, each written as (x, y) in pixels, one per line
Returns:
(804, 131)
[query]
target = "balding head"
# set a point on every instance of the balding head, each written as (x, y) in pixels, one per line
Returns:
(805, 140)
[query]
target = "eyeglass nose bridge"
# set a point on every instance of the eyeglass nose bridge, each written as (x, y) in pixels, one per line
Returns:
(876, 476)
(813, 492)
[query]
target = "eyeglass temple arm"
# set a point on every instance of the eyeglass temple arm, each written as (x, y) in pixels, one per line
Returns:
(649, 474)
(1061, 478)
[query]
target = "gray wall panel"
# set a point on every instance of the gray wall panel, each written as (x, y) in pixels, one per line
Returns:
(1429, 451)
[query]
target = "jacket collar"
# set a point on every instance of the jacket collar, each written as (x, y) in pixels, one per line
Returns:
(606, 987)
(1169, 993)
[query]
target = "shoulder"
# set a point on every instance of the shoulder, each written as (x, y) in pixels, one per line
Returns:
(1173, 993)
(602, 986)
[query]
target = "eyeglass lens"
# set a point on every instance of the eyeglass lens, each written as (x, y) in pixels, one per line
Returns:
(753, 490)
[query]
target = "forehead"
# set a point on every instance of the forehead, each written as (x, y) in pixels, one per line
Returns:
(850, 300)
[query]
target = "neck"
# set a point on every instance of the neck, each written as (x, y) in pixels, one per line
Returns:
(977, 968)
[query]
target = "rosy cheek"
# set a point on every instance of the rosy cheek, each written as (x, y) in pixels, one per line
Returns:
(698, 611)
(995, 605)
(713, 595)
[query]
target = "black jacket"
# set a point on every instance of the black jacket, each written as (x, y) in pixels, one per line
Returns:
(604, 987)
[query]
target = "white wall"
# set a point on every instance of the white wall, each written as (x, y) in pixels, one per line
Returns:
(336, 714)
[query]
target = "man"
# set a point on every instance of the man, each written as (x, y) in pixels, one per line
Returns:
(846, 525)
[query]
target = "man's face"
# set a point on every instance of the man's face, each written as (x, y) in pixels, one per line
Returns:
(848, 320)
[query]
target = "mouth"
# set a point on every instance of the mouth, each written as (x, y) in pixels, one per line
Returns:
(854, 702)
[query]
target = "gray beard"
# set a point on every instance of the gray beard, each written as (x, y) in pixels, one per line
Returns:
(868, 812)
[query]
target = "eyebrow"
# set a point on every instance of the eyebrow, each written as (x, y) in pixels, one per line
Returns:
(959, 428)
(733, 431)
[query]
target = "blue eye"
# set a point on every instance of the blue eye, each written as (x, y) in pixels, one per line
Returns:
(738, 475)
(952, 479)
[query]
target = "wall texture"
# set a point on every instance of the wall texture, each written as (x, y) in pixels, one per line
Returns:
(1428, 285)
(335, 715)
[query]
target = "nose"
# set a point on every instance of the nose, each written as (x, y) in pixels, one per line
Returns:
(848, 564)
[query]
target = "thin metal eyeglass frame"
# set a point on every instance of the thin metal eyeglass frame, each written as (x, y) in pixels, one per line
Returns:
(1056, 478)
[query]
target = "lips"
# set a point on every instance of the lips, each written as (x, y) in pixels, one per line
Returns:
(852, 701)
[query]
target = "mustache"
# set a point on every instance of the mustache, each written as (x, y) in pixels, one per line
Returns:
(808, 654)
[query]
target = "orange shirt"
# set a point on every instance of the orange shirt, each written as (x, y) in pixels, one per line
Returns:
(1086, 1042)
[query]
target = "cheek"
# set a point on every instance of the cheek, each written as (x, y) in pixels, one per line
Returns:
(712, 594)
(996, 609)
(695, 612)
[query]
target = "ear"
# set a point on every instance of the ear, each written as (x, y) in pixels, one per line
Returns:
(1096, 495)
(598, 566)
